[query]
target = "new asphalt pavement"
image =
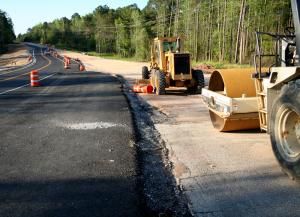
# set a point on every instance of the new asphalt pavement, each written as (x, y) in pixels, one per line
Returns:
(66, 147)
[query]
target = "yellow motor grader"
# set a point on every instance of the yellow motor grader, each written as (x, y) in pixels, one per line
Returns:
(170, 67)
(265, 98)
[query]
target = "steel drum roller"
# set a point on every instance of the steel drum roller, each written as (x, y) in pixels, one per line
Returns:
(234, 83)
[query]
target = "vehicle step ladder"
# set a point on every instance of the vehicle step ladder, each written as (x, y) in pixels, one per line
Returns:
(262, 101)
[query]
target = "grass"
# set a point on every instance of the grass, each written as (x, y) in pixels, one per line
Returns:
(221, 65)
(214, 64)
(114, 57)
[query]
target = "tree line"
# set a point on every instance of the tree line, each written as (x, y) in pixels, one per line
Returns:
(213, 30)
(7, 34)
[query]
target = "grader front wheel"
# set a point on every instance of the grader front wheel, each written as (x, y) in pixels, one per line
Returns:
(285, 129)
(160, 82)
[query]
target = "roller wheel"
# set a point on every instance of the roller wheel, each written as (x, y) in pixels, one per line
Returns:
(285, 129)
(145, 72)
(160, 82)
(198, 80)
(236, 122)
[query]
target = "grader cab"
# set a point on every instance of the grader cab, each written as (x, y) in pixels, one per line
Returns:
(170, 67)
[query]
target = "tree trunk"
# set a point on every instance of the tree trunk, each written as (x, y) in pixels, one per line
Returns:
(238, 37)
(176, 18)
(223, 33)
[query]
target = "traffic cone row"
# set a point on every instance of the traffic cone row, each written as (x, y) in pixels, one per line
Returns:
(142, 88)
(67, 61)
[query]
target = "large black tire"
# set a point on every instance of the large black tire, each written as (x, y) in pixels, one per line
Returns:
(285, 129)
(198, 82)
(145, 73)
(160, 82)
(199, 77)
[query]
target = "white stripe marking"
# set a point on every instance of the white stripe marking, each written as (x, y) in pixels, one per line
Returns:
(91, 126)
(17, 88)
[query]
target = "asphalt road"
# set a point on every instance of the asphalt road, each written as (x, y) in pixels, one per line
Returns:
(66, 147)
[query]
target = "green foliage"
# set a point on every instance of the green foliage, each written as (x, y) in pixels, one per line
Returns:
(7, 34)
(213, 30)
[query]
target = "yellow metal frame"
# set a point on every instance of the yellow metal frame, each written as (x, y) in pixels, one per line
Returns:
(165, 62)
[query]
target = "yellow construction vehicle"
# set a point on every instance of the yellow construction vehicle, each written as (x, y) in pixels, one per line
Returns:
(266, 98)
(170, 67)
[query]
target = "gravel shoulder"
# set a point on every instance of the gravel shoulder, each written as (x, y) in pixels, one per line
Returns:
(221, 174)
(17, 55)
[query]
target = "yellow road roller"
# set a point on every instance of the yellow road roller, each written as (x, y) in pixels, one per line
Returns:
(265, 98)
(232, 101)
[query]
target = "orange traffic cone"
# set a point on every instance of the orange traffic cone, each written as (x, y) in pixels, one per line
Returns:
(142, 88)
(34, 78)
(147, 89)
(81, 67)
(66, 66)
(136, 88)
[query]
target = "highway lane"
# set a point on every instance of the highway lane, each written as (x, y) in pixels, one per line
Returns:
(66, 147)
(19, 77)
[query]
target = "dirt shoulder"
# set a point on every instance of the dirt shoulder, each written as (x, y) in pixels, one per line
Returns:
(130, 69)
(17, 55)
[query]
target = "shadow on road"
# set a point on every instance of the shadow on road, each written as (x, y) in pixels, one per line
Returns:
(73, 197)
(79, 78)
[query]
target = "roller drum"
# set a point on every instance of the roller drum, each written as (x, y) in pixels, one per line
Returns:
(233, 83)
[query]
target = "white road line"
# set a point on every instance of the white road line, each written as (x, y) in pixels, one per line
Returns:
(17, 88)
(89, 125)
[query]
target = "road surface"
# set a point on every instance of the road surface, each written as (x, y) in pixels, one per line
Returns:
(66, 147)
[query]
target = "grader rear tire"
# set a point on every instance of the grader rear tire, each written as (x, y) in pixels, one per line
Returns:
(197, 82)
(285, 129)
(199, 77)
(145, 72)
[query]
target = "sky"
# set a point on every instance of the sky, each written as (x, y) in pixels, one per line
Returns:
(27, 13)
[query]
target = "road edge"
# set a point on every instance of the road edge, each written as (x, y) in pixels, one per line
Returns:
(161, 196)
